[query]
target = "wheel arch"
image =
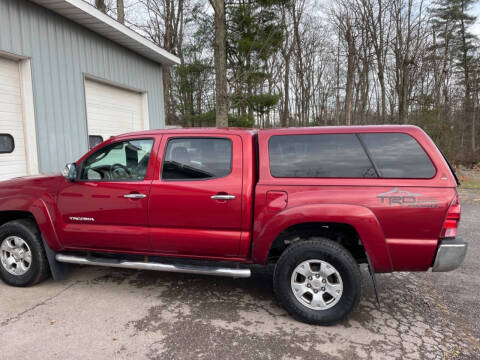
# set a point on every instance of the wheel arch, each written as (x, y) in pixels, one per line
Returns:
(10, 215)
(34, 209)
(356, 218)
(342, 233)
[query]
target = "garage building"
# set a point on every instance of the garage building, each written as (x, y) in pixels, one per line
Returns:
(70, 77)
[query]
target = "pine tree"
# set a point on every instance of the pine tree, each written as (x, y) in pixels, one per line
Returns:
(193, 81)
(451, 20)
(254, 36)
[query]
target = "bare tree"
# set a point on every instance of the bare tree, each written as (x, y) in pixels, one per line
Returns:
(100, 5)
(165, 28)
(377, 21)
(365, 62)
(220, 56)
(408, 19)
(286, 52)
(120, 11)
(345, 19)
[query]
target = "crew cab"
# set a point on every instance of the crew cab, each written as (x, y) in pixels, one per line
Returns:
(315, 202)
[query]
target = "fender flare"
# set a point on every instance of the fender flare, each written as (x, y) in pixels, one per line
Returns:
(361, 218)
(40, 210)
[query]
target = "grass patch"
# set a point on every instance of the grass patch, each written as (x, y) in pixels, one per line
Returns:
(470, 183)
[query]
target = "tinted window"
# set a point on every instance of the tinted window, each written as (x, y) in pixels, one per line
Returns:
(398, 155)
(197, 159)
(122, 161)
(324, 155)
(7, 144)
(94, 140)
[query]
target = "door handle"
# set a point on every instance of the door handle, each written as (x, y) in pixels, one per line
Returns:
(134, 196)
(223, 197)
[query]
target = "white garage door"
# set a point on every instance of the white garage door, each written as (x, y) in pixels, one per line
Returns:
(112, 111)
(13, 161)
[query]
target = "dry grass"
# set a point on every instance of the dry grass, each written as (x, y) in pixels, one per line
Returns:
(470, 179)
(470, 184)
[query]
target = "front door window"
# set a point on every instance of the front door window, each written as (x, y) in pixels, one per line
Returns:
(121, 161)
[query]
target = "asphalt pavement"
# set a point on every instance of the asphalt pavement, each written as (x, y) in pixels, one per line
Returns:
(101, 313)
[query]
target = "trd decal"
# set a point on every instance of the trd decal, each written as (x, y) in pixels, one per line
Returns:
(397, 197)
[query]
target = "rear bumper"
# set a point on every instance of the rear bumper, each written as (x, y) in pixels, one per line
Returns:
(450, 254)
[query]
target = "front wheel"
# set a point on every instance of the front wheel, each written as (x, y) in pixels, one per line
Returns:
(317, 281)
(22, 257)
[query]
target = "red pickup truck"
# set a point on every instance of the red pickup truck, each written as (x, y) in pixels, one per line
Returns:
(316, 202)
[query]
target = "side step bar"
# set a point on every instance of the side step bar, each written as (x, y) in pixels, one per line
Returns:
(188, 269)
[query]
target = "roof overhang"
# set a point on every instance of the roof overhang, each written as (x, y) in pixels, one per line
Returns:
(91, 18)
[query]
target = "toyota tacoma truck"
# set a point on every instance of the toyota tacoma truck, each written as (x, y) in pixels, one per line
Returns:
(313, 202)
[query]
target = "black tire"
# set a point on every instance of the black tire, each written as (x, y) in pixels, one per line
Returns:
(332, 253)
(38, 269)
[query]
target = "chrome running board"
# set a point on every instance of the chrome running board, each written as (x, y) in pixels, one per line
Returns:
(178, 268)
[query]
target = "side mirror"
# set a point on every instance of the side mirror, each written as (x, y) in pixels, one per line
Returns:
(70, 172)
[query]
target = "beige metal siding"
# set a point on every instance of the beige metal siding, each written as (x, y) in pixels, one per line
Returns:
(11, 120)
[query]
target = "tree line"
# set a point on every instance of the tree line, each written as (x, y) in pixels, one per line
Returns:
(277, 63)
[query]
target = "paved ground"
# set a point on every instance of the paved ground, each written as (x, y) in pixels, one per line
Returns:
(119, 314)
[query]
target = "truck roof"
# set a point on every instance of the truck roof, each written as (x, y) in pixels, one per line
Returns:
(281, 131)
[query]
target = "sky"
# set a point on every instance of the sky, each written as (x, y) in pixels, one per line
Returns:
(476, 26)
(474, 11)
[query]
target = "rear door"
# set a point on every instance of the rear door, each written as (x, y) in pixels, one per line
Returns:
(195, 206)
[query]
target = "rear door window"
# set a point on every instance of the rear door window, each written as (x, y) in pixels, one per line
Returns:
(398, 155)
(319, 156)
(197, 159)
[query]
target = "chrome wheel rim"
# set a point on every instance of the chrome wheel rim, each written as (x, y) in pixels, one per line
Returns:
(317, 284)
(15, 255)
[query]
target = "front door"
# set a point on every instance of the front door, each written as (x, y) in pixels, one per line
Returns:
(196, 206)
(106, 208)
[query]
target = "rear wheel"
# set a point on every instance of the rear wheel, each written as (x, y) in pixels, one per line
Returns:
(317, 281)
(22, 257)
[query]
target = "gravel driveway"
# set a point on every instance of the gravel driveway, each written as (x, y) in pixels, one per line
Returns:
(100, 313)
